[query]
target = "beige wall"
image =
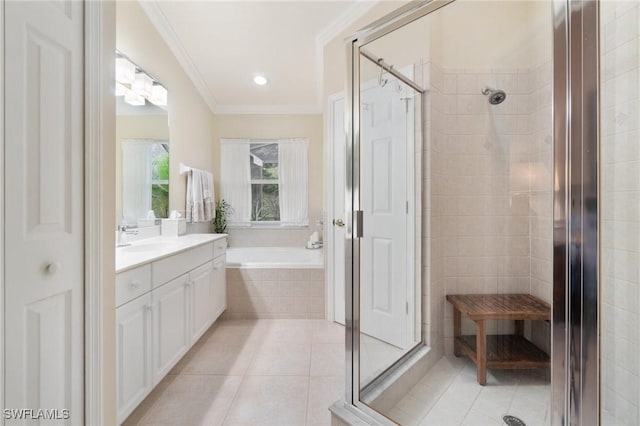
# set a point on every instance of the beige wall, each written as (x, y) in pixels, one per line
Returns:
(335, 53)
(273, 127)
(136, 127)
(190, 119)
(471, 26)
(486, 35)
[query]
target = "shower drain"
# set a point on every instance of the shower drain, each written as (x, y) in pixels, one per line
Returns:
(512, 421)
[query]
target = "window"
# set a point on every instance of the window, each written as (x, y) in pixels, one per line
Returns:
(265, 181)
(160, 179)
(145, 179)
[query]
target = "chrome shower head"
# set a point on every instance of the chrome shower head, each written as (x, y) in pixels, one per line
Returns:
(496, 96)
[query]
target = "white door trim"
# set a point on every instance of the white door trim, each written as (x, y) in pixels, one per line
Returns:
(414, 203)
(99, 221)
(330, 214)
(2, 271)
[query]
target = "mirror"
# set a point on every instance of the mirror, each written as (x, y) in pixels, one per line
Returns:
(142, 148)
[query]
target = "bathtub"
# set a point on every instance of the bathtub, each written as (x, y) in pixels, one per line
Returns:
(275, 282)
(274, 257)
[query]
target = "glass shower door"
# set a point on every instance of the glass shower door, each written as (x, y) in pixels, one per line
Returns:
(453, 193)
(387, 248)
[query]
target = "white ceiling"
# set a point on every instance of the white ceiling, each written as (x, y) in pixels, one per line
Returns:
(223, 44)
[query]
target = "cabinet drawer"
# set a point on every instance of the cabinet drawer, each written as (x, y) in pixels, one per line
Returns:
(219, 247)
(165, 270)
(133, 283)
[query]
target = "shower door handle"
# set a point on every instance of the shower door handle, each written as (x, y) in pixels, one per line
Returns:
(338, 222)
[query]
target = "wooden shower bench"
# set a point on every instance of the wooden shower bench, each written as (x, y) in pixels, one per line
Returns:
(498, 351)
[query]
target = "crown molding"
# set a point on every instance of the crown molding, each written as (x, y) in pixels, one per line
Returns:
(342, 22)
(334, 29)
(302, 109)
(168, 34)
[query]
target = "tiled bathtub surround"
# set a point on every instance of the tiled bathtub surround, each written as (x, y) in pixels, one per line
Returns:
(255, 293)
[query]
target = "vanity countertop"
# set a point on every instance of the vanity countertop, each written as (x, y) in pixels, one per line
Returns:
(151, 249)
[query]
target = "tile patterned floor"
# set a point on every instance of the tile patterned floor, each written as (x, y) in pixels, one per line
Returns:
(253, 372)
(288, 372)
(450, 395)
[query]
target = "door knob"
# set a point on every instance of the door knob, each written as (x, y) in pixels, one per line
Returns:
(338, 222)
(52, 268)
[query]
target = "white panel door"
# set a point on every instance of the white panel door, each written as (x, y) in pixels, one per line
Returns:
(384, 257)
(339, 185)
(44, 212)
(170, 325)
(219, 291)
(201, 287)
(134, 378)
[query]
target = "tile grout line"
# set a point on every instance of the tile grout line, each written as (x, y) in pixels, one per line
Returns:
(242, 381)
(306, 409)
(471, 406)
(441, 395)
(235, 395)
(243, 376)
(513, 396)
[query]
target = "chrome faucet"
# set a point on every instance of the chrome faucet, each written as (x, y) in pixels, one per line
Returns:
(123, 229)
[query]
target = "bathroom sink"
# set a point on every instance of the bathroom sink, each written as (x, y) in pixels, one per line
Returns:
(150, 247)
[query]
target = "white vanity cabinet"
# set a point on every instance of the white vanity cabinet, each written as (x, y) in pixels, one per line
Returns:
(219, 286)
(133, 349)
(170, 325)
(163, 308)
(201, 291)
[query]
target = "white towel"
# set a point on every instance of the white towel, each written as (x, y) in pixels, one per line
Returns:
(200, 196)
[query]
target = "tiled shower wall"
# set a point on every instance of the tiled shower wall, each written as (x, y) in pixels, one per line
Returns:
(490, 188)
(539, 107)
(620, 210)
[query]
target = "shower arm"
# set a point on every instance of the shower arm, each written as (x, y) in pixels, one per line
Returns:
(389, 68)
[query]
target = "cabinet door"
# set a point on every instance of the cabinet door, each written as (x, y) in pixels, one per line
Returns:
(171, 325)
(43, 221)
(133, 348)
(201, 309)
(219, 291)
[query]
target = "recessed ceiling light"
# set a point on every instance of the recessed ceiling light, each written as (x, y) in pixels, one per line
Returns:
(260, 80)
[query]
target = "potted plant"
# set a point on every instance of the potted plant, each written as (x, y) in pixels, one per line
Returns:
(223, 211)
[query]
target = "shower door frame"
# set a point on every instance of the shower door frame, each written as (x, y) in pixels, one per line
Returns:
(576, 251)
(575, 394)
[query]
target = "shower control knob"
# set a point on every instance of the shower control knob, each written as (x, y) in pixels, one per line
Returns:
(338, 222)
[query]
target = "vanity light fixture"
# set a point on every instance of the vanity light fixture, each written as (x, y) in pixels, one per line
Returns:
(260, 80)
(142, 84)
(125, 71)
(136, 85)
(158, 95)
(133, 98)
(121, 89)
